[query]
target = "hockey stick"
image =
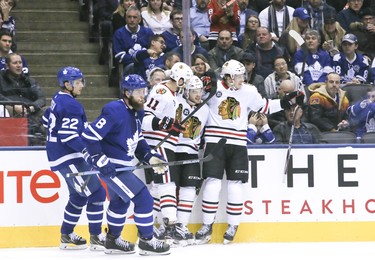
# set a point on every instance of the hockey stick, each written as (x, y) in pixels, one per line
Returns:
(212, 93)
(209, 157)
(288, 153)
(301, 42)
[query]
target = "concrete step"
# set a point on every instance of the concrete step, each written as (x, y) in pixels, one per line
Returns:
(48, 5)
(62, 59)
(91, 80)
(86, 69)
(24, 25)
(88, 91)
(51, 36)
(54, 46)
(52, 16)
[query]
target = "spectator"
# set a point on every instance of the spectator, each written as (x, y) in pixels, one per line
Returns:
(247, 39)
(222, 17)
(258, 130)
(202, 69)
(200, 23)
(245, 13)
(130, 38)
(349, 17)
(352, 67)
(195, 49)
(265, 52)
(304, 133)
(331, 34)
(300, 23)
(313, 65)
(328, 104)
(15, 85)
(223, 51)
(155, 17)
(65, 121)
(365, 32)
(249, 61)
(171, 58)
(102, 17)
(172, 35)
(276, 17)
(146, 60)
(317, 10)
(281, 73)
(7, 21)
(6, 40)
(155, 76)
(362, 114)
(119, 15)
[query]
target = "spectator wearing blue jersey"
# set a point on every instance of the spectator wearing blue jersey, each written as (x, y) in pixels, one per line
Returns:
(7, 21)
(130, 38)
(258, 130)
(362, 114)
(172, 35)
(194, 48)
(115, 140)
(352, 66)
(65, 121)
(6, 41)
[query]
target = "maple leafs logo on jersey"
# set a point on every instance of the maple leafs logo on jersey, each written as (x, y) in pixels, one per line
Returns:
(132, 144)
(161, 91)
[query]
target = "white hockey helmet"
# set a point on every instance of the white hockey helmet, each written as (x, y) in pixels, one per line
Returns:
(194, 83)
(181, 71)
(232, 67)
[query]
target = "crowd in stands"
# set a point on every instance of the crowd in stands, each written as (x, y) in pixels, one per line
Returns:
(336, 45)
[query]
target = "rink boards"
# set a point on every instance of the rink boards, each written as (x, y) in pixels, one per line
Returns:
(329, 196)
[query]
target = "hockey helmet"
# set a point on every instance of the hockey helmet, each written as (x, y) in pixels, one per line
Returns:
(194, 83)
(133, 81)
(232, 67)
(69, 74)
(181, 71)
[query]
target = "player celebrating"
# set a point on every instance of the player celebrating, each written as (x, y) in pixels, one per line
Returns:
(187, 148)
(228, 118)
(65, 121)
(114, 139)
(162, 119)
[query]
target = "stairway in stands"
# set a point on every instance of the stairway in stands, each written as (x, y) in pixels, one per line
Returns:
(50, 35)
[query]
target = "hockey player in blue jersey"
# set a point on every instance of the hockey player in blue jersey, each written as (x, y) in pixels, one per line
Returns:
(65, 120)
(114, 140)
(362, 114)
(352, 66)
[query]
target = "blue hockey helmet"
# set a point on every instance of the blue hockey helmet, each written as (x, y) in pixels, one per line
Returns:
(132, 82)
(69, 74)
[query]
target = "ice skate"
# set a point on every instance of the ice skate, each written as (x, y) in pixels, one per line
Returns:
(153, 246)
(72, 242)
(203, 235)
(97, 242)
(182, 235)
(230, 233)
(118, 245)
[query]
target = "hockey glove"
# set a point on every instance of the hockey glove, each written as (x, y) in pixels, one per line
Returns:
(87, 156)
(155, 158)
(170, 125)
(291, 99)
(105, 167)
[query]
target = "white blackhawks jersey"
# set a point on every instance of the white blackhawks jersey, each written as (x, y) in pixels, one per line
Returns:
(160, 102)
(190, 139)
(229, 110)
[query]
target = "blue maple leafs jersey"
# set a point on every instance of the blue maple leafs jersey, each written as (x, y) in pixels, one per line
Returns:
(357, 68)
(65, 120)
(117, 133)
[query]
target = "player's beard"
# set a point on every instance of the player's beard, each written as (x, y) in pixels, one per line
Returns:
(137, 105)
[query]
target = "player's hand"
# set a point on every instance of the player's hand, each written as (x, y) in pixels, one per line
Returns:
(170, 125)
(102, 162)
(292, 98)
(87, 156)
(156, 159)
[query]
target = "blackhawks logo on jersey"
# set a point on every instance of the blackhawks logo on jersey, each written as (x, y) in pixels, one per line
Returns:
(230, 109)
(192, 127)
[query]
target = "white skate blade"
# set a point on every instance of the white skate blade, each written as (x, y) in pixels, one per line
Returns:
(148, 253)
(203, 241)
(97, 248)
(67, 246)
(118, 252)
(226, 241)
